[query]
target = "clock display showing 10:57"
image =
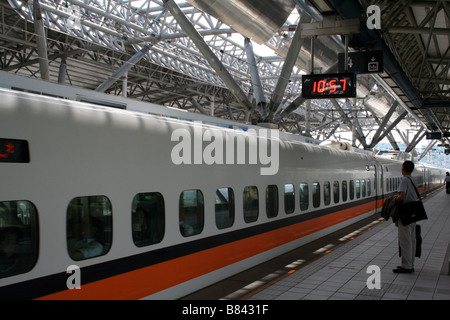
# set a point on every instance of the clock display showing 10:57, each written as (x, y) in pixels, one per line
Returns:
(339, 85)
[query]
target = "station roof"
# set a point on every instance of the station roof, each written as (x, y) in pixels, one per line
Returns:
(151, 50)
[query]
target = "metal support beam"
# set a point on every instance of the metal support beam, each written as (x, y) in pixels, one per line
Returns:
(392, 141)
(198, 106)
(308, 118)
(392, 126)
(258, 92)
(356, 125)
(425, 54)
(331, 26)
(62, 71)
(208, 54)
(299, 100)
(349, 123)
(123, 69)
(428, 148)
(289, 62)
(382, 125)
(41, 40)
(414, 30)
(332, 132)
(417, 138)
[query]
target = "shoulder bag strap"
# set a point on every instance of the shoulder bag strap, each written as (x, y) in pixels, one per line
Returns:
(415, 188)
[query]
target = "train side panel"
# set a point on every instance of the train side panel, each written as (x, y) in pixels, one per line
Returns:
(87, 160)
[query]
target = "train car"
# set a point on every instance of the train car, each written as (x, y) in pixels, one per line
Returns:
(101, 203)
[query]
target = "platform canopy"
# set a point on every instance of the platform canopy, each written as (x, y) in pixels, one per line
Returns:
(243, 59)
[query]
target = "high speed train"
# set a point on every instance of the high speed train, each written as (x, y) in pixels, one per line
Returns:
(103, 203)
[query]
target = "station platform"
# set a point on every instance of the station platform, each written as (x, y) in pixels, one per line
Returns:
(341, 272)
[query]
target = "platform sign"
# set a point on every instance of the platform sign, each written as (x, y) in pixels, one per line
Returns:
(362, 62)
(434, 135)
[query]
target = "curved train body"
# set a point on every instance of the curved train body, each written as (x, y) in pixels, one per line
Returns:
(176, 204)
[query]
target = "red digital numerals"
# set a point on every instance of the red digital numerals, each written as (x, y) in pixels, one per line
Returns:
(7, 150)
(322, 86)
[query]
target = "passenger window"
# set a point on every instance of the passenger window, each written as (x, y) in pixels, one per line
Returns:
(336, 194)
(358, 189)
(352, 189)
(369, 187)
(147, 219)
(191, 212)
(18, 237)
(316, 194)
(224, 208)
(89, 227)
(304, 196)
(251, 204)
(344, 190)
(326, 193)
(271, 201)
(289, 198)
(363, 188)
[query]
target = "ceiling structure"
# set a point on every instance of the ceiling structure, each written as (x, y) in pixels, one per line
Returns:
(243, 60)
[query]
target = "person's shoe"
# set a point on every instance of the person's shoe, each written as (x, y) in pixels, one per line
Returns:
(403, 270)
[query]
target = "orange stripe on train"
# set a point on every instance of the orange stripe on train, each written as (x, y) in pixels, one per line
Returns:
(149, 280)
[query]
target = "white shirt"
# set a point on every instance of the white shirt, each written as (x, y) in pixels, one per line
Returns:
(89, 247)
(406, 186)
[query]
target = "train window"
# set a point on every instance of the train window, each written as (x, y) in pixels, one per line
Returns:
(336, 191)
(271, 201)
(357, 189)
(304, 196)
(89, 227)
(191, 212)
(326, 193)
(147, 219)
(316, 194)
(352, 189)
(363, 188)
(18, 237)
(369, 187)
(251, 204)
(344, 190)
(289, 198)
(224, 208)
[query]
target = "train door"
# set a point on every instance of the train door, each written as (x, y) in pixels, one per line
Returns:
(379, 173)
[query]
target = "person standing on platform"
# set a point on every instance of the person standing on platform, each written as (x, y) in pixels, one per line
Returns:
(447, 182)
(406, 234)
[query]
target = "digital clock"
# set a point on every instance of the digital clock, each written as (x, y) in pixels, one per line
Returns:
(323, 86)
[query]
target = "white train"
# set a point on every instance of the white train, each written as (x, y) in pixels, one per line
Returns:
(101, 203)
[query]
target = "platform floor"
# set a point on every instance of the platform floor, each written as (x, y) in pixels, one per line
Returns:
(342, 273)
